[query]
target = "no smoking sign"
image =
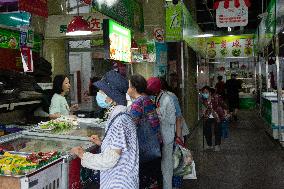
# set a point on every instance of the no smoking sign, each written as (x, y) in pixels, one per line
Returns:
(159, 34)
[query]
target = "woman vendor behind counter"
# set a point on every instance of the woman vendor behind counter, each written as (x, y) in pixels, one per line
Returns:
(59, 106)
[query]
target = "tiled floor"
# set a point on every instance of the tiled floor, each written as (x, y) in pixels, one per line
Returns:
(249, 158)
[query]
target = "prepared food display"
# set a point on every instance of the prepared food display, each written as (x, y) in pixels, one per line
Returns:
(21, 164)
(61, 124)
(41, 144)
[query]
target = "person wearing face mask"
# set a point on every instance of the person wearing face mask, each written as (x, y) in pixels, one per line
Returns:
(150, 175)
(59, 106)
(169, 131)
(118, 161)
(214, 112)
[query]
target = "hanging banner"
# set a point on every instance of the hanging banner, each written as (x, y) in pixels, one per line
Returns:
(27, 59)
(230, 47)
(160, 68)
(173, 22)
(38, 7)
(190, 32)
(267, 26)
(27, 37)
(232, 16)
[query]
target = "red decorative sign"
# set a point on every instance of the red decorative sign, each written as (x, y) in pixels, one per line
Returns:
(27, 59)
(38, 7)
(231, 13)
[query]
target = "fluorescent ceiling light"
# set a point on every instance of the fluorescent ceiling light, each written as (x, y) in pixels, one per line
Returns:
(204, 35)
(76, 33)
(19, 19)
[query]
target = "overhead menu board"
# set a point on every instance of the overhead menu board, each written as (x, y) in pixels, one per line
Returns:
(230, 47)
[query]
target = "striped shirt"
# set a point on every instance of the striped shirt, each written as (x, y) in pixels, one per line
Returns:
(121, 135)
(143, 105)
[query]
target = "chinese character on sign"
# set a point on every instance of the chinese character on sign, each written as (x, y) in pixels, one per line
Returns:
(95, 24)
(174, 20)
(223, 44)
(236, 43)
(248, 43)
(63, 28)
(212, 44)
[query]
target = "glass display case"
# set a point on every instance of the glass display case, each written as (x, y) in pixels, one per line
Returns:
(65, 170)
(29, 144)
(82, 132)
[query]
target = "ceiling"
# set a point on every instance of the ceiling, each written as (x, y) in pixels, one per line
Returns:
(207, 21)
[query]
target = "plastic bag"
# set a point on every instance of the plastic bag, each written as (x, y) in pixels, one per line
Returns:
(182, 160)
(192, 175)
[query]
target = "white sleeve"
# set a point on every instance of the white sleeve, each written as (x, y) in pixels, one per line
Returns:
(102, 161)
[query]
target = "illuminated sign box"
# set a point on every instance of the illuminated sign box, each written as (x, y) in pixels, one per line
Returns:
(117, 41)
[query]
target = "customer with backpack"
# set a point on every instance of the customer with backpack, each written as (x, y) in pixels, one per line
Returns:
(166, 113)
(143, 111)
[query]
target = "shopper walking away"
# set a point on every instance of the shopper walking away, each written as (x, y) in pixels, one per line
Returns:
(233, 86)
(143, 110)
(214, 113)
(59, 106)
(118, 161)
(220, 87)
(166, 113)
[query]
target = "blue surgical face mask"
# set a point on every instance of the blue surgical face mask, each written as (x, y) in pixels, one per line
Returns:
(101, 100)
(205, 95)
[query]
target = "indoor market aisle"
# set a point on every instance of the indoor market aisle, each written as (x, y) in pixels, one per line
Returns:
(248, 159)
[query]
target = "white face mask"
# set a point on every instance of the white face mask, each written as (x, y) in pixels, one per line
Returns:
(129, 100)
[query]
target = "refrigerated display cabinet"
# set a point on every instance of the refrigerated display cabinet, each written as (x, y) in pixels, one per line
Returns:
(60, 174)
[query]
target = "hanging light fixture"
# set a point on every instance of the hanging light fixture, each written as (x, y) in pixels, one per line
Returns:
(78, 26)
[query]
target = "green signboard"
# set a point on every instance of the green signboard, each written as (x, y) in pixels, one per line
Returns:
(10, 39)
(173, 22)
(190, 32)
(267, 27)
(128, 12)
(119, 42)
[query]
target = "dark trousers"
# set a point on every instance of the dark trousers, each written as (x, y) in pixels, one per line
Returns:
(210, 124)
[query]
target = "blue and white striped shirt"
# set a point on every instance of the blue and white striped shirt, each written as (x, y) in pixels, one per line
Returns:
(121, 135)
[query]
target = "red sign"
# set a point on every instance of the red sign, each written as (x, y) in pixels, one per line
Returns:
(27, 59)
(38, 7)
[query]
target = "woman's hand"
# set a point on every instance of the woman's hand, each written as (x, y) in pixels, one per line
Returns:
(54, 116)
(96, 139)
(78, 151)
(74, 107)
